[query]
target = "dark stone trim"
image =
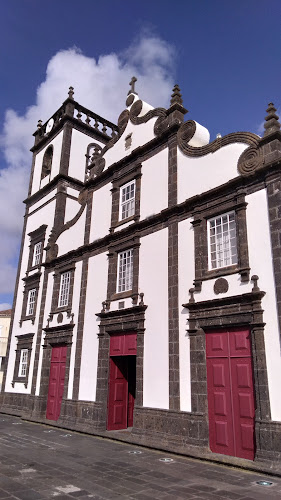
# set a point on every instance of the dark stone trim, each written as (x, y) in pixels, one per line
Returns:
(274, 214)
(39, 331)
(114, 250)
(30, 282)
(89, 209)
(31, 174)
(51, 186)
(80, 328)
(65, 149)
(122, 177)
(235, 202)
(24, 342)
(172, 171)
(68, 266)
(57, 336)
(227, 313)
(212, 198)
(36, 236)
(173, 311)
(68, 118)
(122, 321)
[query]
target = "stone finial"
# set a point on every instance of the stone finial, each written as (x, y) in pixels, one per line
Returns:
(39, 124)
(192, 299)
(255, 279)
(132, 83)
(271, 120)
(176, 96)
(71, 92)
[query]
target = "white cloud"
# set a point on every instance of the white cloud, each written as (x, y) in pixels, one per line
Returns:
(100, 85)
(4, 306)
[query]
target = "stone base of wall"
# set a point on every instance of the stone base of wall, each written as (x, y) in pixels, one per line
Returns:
(168, 430)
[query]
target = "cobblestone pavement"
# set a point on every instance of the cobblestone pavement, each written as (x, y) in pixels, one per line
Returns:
(39, 462)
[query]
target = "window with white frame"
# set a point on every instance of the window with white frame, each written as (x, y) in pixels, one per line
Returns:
(31, 302)
(64, 289)
(23, 363)
(222, 241)
(37, 254)
(125, 271)
(127, 200)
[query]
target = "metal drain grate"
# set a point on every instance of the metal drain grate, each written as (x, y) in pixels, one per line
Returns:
(264, 483)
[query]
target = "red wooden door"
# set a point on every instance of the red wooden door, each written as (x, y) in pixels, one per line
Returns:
(56, 382)
(122, 381)
(230, 393)
(118, 393)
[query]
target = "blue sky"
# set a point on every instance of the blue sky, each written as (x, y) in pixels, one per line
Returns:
(226, 57)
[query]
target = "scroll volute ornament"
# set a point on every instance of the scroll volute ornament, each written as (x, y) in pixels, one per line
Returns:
(186, 132)
(250, 161)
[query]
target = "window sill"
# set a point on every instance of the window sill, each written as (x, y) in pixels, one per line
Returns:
(133, 218)
(27, 318)
(20, 380)
(121, 295)
(223, 271)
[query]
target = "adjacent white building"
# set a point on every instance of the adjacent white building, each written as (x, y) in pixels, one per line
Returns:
(148, 294)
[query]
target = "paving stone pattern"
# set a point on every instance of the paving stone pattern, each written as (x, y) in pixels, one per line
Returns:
(39, 462)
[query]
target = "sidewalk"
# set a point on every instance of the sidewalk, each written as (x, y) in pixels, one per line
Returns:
(40, 462)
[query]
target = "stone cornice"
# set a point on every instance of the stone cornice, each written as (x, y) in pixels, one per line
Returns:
(75, 183)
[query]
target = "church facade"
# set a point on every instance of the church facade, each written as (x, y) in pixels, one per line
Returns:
(148, 294)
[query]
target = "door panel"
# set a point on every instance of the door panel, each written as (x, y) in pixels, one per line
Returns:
(243, 406)
(56, 382)
(230, 393)
(219, 403)
(118, 394)
(216, 345)
(239, 343)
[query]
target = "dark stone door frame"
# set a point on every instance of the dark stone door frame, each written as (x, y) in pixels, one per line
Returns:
(111, 323)
(226, 313)
(54, 336)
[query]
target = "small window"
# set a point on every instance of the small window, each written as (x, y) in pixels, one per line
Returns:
(37, 254)
(23, 363)
(127, 200)
(31, 302)
(47, 162)
(64, 289)
(222, 242)
(125, 271)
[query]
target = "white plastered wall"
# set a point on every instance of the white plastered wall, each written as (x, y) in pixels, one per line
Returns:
(153, 282)
(261, 264)
(75, 309)
(43, 216)
(74, 234)
(71, 209)
(186, 276)
(96, 294)
(154, 184)
(48, 303)
(141, 134)
(77, 161)
(57, 144)
(101, 212)
(197, 175)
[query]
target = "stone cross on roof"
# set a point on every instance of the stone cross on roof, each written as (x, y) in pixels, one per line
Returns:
(132, 83)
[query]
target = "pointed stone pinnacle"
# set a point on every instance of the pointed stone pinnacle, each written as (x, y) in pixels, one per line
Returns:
(271, 120)
(176, 96)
